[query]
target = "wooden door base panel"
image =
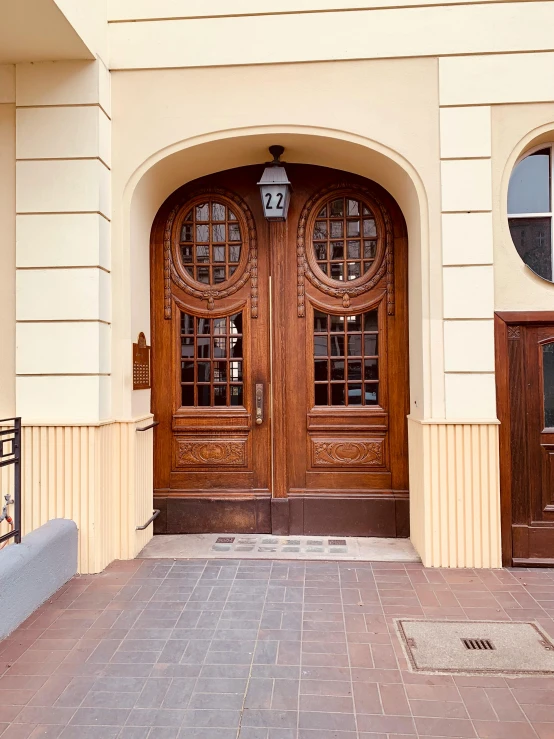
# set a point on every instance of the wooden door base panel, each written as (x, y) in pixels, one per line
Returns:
(215, 516)
(533, 562)
(383, 515)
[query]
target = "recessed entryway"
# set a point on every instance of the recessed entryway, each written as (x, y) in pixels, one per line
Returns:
(280, 358)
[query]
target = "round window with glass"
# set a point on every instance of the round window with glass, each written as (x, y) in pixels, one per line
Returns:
(530, 209)
(210, 242)
(344, 238)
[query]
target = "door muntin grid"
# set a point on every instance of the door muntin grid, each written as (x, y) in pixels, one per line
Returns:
(346, 359)
(211, 361)
(547, 361)
(210, 241)
(344, 238)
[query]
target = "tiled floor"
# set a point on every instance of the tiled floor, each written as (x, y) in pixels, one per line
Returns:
(266, 546)
(220, 649)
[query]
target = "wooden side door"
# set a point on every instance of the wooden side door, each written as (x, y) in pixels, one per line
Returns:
(342, 292)
(210, 343)
(532, 443)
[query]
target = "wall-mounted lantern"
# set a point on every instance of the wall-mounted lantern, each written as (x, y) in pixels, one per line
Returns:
(275, 187)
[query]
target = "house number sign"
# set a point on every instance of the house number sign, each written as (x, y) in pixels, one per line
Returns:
(141, 364)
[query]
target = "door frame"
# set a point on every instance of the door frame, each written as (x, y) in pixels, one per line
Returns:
(295, 504)
(503, 323)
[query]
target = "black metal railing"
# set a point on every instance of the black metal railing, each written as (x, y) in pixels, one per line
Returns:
(10, 454)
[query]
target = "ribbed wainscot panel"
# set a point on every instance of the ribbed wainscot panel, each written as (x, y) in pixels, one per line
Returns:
(143, 484)
(98, 476)
(455, 494)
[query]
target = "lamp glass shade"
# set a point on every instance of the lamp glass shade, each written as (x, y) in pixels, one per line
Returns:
(275, 191)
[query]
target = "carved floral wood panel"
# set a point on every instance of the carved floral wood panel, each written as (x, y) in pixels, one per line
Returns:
(354, 452)
(211, 453)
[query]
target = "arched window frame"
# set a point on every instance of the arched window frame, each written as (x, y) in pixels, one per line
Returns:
(512, 216)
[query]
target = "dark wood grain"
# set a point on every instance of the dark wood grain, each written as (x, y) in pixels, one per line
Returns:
(526, 447)
(342, 468)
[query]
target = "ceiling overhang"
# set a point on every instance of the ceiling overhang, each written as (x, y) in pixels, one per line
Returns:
(37, 31)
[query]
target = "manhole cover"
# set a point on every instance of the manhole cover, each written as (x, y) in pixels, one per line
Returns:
(476, 647)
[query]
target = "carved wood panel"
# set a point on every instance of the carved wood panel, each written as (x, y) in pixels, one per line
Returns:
(210, 452)
(514, 332)
(348, 452)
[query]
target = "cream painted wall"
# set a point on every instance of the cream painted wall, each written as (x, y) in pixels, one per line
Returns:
(368, 133)
(119, 10)
(515, 129)
(360, 34)
(63, 203)
(36, 30)
(89, 19)
(7, 240)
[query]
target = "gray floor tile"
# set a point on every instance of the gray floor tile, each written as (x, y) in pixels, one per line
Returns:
(155, 717)
(270, 719)
(212, 718)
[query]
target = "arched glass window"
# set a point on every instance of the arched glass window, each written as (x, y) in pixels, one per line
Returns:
(530, 210)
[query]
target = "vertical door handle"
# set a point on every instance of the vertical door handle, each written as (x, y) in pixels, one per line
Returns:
(259, 404)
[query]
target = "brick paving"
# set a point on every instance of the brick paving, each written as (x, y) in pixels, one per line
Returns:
(175, 649)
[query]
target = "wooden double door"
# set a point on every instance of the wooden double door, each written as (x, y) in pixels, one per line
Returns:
(525, 380)
(280, 358)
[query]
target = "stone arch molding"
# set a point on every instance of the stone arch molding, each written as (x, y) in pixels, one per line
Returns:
(224, 137)
(170, 167)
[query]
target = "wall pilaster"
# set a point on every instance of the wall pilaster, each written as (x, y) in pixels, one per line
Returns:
(7, 239)
(454, 483)
(63, 207)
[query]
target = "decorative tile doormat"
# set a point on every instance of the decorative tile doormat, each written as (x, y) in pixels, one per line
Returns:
(266, 546)
(476, 647)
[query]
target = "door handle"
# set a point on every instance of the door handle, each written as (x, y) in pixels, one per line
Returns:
(259, 404)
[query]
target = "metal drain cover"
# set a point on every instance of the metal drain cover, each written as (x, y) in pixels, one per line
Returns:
(478, 644)
(476, 647)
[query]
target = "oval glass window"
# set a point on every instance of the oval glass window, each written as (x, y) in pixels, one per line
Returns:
(210, 242)
(344, 238)
(530, 211)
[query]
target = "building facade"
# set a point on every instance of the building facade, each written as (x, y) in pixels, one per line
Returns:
(388, 336)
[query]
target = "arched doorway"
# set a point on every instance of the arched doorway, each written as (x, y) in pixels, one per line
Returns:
(280, 358)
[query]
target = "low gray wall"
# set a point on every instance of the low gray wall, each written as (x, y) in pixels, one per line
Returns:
(32, 571)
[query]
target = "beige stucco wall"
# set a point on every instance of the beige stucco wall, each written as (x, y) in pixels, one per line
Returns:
(64, 295)
(368, 134)
(375, 32)
(100, 476)
(7, 240)
(89, 19)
